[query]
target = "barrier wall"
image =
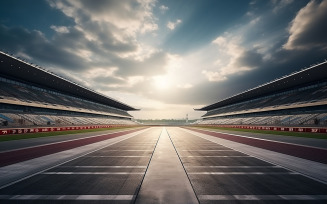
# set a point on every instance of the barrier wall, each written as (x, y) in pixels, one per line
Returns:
(287, 129)
(11, 131)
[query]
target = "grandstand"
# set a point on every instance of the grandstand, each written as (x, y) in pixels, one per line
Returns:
(32, 96)
(299, 99)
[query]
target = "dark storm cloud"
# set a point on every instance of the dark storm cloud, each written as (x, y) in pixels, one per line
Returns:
(104, 39)
(19, 40)
(103, 46)
(282, 62)
(107, 80)
(250, 58)
(107, 31)
(126, 8)
(99, 38)
(308, 29)
(101, 5)
(54, 52)
(73, 39)
(107, 83)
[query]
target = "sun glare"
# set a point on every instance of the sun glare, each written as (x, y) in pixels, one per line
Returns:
(161, 82)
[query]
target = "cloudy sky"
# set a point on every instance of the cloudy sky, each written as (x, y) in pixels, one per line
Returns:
(166, 56)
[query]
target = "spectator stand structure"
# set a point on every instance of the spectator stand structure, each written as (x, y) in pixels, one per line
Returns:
(295, 100)
(31, 96)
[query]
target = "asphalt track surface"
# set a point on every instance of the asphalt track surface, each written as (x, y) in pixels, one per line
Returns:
(18, 144)
(302, 151)
(119, 172)
(23, 154)
(278, 138)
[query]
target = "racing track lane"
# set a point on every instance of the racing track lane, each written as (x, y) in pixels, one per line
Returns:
(110, 175)
(305, 152)
(222, 175)
(38, 141)
(15, 156)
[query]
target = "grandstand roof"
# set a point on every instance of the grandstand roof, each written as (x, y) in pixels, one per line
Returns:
(18, 69)
(314, 73)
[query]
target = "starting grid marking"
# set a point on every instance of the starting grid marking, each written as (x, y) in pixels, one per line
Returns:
(262, 197)
(216, 156)
(130, 150)
(246, 173)
(120, 167)
(115, 156)
(91, 173)
(67, 197)
(132, 197)
(218, 150)
(233, 167)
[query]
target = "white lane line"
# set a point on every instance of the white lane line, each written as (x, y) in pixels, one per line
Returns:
(67, 197)
(116, 156)
(234, 167)
(135, 145)
(148, 142)
(90, 173)
(66, 156)
(269, 140)
(202, 150)
(69, 140)
(95, 167)
(244, 173)
(297, 164)
(132, 150)
(197, 144)
(165, 180)
(216, 156)
(262, 197)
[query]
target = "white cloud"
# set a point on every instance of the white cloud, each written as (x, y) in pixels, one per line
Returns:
(308, 29)
(184, 86)
(112, 53)
(214, 76)
(60, 29)
(120, 63)
(255, 21)
(127, 16)
(163, 8)
(228, 50)
(109, 33)
(233, 58)
(172, 25)
(280, 4)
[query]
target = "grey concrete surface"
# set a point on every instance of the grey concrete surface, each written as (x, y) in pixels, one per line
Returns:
(165, 180)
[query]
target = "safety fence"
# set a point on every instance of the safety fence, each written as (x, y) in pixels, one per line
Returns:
(274, 128)
(11, 131)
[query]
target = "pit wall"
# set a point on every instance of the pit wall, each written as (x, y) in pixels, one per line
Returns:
(273, 128)
(13, 131)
